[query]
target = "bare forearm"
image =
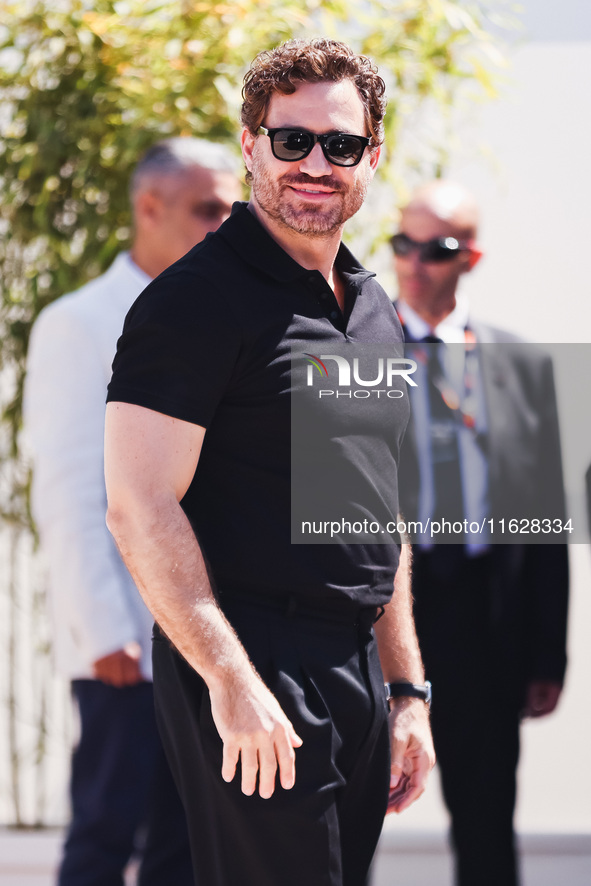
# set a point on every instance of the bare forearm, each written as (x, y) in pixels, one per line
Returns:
(395, 631)
(165, 559)
(411, 743)
(150, 460)
(163, 555)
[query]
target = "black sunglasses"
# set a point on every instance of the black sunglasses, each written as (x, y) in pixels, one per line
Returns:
(440, 249)
(339, 148)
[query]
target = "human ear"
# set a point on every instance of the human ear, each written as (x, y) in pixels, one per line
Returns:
(474, 257)
(374, 156)
(147, 206)
(247, 142)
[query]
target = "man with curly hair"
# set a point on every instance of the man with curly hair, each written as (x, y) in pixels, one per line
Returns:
(268, 671)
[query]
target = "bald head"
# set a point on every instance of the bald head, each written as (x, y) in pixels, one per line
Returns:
(449, 203)
(437, 211)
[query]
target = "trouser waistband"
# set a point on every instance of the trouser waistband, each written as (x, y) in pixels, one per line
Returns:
(294, 606)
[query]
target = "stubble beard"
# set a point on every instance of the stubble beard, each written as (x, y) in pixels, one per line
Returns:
(307, 218)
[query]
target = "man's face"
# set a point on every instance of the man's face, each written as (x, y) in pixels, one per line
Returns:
(310, 196)
(189, 205)
(428, 285)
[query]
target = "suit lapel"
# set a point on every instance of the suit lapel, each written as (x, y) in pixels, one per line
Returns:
(493, 367)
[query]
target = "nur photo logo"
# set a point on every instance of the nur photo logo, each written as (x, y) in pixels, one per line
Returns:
(344, 372)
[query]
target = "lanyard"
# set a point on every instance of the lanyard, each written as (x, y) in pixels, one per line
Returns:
(463, 407)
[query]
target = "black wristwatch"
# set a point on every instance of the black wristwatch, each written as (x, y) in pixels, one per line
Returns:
(412, 690)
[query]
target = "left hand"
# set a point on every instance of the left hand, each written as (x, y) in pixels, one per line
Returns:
(120, 668)
(413, 755)
(541, 698)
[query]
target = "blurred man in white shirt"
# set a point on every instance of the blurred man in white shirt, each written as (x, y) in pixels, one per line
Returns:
(182, 189)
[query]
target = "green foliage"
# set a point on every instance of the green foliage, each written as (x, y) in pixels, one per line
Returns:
(87, 86)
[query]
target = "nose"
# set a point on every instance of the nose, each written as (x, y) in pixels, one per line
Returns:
(412, 258)
(315, 163)
(411, 263)
(415, 259)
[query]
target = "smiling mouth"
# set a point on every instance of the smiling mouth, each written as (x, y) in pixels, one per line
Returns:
(311, 192)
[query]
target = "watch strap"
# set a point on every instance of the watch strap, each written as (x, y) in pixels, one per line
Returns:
(409, 690)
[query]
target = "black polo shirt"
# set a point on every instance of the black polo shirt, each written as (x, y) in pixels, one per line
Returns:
(210, 342)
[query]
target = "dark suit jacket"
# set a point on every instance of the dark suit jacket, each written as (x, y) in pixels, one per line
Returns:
(530, 581)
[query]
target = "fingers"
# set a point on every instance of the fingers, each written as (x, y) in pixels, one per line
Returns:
(409, 786)
(399, 778)
(541, 698)
(286, 758)
(120, 668)
(130, 672)
(396, 771)
(406, 799)
(540, 706)
(230, 760)
(412, 754)
(397, 762)
(267, 762)
(397, 793)
(261, 758)
(254, 729)
(412, 788)
(249, 762)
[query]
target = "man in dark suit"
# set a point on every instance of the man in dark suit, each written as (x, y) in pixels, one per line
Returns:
(482, 446)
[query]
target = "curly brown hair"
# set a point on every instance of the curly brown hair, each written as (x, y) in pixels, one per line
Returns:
(312, 61)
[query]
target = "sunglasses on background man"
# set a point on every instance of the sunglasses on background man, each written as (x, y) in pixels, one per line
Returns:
(437, 250)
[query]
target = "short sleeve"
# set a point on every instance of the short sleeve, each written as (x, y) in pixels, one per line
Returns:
(178, 350)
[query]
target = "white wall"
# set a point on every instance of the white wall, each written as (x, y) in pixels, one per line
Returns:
(536, 196)
(527, 157)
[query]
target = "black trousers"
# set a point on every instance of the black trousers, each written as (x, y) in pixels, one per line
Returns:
(323, 832)
(123, 797)
(475, 713)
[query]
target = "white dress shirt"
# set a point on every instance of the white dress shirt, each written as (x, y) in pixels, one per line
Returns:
(96, 608)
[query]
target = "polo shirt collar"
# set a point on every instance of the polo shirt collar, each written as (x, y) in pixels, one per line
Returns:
(245, 234)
